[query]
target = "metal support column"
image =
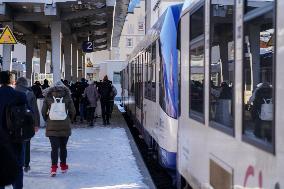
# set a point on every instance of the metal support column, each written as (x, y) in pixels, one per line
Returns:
(80, 75)
(255, 46)
(84, 66)
(56, 49)
(74, 62)
(7, 52)
(67, 42)
(29, 57)
(43, 53)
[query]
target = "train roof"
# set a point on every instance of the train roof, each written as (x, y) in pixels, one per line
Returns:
(154, 33)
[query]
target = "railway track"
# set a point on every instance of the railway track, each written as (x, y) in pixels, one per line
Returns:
(159, 175)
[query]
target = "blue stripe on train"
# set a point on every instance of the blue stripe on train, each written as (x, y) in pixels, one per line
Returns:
(167, 159)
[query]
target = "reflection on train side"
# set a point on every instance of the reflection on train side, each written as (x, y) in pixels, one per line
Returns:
(222, 67)
(258, 69)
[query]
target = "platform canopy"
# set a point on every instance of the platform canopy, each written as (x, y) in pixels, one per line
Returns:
(100, 20)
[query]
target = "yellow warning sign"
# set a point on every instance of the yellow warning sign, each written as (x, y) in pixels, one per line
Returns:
(7, 37)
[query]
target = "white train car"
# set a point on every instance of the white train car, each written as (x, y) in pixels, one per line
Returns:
(153, 87)
(230, 132)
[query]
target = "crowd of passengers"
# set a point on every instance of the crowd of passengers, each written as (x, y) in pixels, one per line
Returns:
(83, 99)
(87, 98)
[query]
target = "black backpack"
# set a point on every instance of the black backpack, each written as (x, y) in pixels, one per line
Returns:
(20, 122)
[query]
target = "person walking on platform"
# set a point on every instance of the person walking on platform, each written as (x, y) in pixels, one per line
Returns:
(105, 91)
(58, 116)
(45, 84)
(8, 97)
(92, 96)
(99, 107)
(22, 86)
(113, 95)
(37, 89)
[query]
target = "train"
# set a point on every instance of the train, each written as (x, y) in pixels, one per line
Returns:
(204, 90)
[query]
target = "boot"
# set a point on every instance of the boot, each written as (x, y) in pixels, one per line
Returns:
(53, 170)
(27, 168)
(64, 167)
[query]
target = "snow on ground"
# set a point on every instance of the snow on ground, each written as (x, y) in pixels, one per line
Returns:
(98, 158)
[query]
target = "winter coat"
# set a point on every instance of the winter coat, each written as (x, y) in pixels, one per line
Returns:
(58, 128)
(32, 102)
(91, 93)
(105, 91)
(7, 96)
(37, 91)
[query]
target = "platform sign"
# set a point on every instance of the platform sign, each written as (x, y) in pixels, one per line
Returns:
(88, 46)
(7, 36)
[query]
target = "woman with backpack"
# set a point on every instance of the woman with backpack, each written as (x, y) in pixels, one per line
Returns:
(58, 110)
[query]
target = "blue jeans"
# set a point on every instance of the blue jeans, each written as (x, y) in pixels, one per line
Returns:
(19, 150)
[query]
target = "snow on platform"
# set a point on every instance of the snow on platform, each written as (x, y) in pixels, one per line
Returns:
(99, 158)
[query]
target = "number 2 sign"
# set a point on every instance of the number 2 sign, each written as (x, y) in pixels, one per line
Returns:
(88, 46)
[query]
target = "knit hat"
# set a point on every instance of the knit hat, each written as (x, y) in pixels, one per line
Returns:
(22, 82)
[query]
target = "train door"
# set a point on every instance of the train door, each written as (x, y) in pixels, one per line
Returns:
(145, 87)
(149, 103)
(131, 101)
(141, 88)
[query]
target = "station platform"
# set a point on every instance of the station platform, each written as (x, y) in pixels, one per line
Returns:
(99, 157)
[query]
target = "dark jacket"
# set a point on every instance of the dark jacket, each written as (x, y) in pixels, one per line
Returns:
(32, 102)
(54, 127)
(7, 96)
(105, 91)
(37, 91)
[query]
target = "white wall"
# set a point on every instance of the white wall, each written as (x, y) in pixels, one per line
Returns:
(108, 68)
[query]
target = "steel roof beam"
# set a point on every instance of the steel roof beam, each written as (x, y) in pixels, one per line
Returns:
(81, 14)
(88, 28)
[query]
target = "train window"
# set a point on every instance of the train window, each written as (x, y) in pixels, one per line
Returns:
(137, 82)
(146, 74)
(151, 82)
(196, 55)
(258, 73)
(131, 85)
(153, 57)
(197, 23)
(222, 66)
(153, 72)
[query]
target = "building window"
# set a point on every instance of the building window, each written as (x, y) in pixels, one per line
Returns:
(258, 74)
(222, 66)
(141, 26)
(196, 67)
(129, 42)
